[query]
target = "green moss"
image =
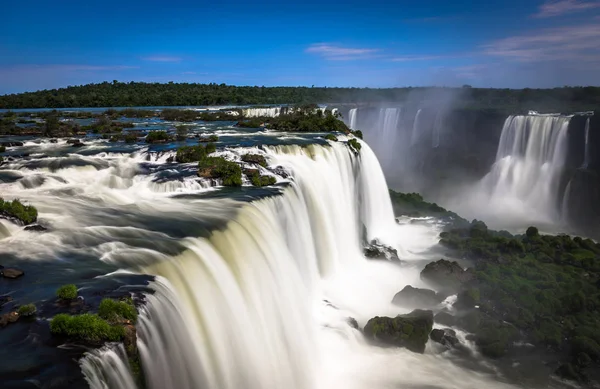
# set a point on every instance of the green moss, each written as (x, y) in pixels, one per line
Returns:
(188, 154)
(410, 331)
(86, 327)
(27, 214)
(27, 310)
(115, 311)
(67, 292)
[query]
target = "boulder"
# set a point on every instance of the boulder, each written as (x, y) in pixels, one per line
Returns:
(11, 273)
(11, 144)
(375, 250)
(446, 275)
(352, 323)
(280, 171)
(444, 318)
(249, 171)
(8, 318)
(417, 298)
(5, 300)
(255, 158)
(410, 331)
(446, 337)
(36, 227)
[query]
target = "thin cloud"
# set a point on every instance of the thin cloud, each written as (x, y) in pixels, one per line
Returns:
(572, 43)
(188, 73)
(160, 58)
(338, 53)
(554, 8)
(409, 58)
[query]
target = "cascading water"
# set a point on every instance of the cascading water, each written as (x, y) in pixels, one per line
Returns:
(352, 117)
(262, 112)
(523, 185)
(586, 158)
(416, 133)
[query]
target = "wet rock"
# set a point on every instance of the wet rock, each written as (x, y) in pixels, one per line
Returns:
(446, 275)
(11, 144)
(8, 318)
(410, 331)
(280, 171)
(416, 297)
(36, 227)
(375, 250)
(352, 323)
(255, 158)
(53, 141)
(171, 159)
(446, 337)
(249, 171)
(11, 273)
(444, 318)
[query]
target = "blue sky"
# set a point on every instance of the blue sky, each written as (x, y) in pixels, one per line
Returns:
(492, 43)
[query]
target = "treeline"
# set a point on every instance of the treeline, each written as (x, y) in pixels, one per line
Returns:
(119, 94)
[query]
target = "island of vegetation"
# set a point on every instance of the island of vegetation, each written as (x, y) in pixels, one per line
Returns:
(534, 289)
(15, 210)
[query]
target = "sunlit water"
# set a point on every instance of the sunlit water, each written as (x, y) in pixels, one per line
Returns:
(254, 286)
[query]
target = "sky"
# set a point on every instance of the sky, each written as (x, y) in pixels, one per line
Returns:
(48, 44)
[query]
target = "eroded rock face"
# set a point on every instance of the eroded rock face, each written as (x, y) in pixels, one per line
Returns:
(417, 298)
(410, 331)
(448, 276)
(375, 250)
(36, 227)
(444, 318)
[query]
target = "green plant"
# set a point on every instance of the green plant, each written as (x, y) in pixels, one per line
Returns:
(27, 310)
(210, 148)
(331, 137)
(114, 311)
(188, 154)
(354, 145)
(182, 132)
(25, 213)
(255, 158)
(86, 327)
(219, 167)
(157, 137)
(259, 181)
(67, 292)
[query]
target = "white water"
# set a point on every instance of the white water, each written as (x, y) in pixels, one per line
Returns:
(586, 158)
(352, 118)
(416, 130)
(523, 184)
(262, 112)
(245, 307)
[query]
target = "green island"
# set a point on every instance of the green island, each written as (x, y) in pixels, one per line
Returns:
(543, 290)
(25, 214)
(140, 94)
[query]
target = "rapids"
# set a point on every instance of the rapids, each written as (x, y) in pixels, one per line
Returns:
(252, 288)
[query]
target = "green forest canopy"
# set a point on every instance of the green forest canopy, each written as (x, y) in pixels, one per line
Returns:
(132, 94)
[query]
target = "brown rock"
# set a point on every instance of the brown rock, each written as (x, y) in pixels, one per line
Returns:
(8, 318)
(12, 273)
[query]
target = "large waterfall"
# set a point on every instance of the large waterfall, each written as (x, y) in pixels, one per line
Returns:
(523, 185)
(352, 118)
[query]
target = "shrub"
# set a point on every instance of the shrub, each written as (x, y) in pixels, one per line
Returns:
(25, 213)
(218, 167)
(532, 232)
(210, 148)
(114, 311)
(188, 154)
(259, 181)
(354, 145)
(86, 327)
(182, 132)
(26, 310)
(331, 137)
(130, 138)
(67, 292)
(157, 137)
(255, 158)
(358, 134)
(251, 123)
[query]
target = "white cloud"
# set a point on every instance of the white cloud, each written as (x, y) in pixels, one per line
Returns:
(160, 58)
(562, 7)
(338, 53)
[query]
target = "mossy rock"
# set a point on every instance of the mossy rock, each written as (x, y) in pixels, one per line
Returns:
(255, 158)
(417, 298)
(410, 331)
(448, 276)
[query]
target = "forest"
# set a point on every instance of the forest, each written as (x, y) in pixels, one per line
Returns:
(139, 94)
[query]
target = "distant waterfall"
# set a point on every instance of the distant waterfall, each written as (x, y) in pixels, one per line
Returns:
(586, 158)
(525, 177)
(352, 118)
(414, 139)
(262, 112)
(233, 311)
(437, 129)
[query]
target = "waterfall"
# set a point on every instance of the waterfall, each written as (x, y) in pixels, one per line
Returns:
(262, 112)
(234, 310)
(107, 368)
(586, 159)
(415, 130)
(437, 129)
(352, 118)
(529, 161)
